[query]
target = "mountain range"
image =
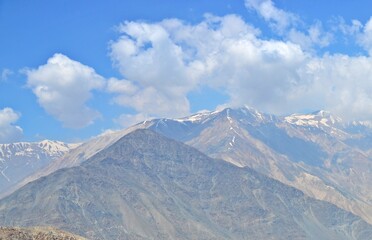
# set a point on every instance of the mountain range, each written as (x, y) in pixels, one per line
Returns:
(19, 160)
(317, 153)
(321, 155)
(147, 186)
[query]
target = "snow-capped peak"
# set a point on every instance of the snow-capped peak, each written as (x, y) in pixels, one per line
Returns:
(197, 118)
(254, 112)
(56, 146)
(18, 160)
(52, 148)
(315, 119)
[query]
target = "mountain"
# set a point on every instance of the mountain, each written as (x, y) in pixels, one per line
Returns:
(146, 186)
(317, 153)
(36, 233)
(75, 156)
(19, 160)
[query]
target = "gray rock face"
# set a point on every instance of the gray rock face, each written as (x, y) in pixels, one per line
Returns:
(146, 186)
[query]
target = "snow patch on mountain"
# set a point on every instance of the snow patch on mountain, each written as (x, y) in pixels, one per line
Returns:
(18, 160)
(200, 117)
(249, 110)
(315, 119)
(29, 149)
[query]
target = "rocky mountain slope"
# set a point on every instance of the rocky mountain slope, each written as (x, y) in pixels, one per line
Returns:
(75, 156)
(146, 186)
(316, 153)
(38, 233)
(19, 160)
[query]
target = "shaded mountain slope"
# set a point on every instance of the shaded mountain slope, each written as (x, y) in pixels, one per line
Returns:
(146, 186)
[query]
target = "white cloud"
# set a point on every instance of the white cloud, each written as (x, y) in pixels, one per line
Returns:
(359, 32)
(163, 62)
(279, 19)
(290, 26)
(8, 131)
(63, 87)
(147, 101)
(340, 83)
(167, 60)
(120, 86)
(365, 38)
(127, 120)
(349, 29)
(314, 36)
(5, 73)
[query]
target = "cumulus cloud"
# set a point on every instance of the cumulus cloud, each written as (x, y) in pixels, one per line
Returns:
(162, 62)
(63, 87)
(340, 83)
(121, 86)
(167, 60)
(8, 131)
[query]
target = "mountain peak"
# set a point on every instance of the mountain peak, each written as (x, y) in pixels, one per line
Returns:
(20, 159)
(249, 114)
(314, 119)
(196, 118)
(142, 142)
(322, 113)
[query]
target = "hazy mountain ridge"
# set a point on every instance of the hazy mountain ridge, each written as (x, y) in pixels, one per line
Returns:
(18, 160)
(76, 155)
(145, 186)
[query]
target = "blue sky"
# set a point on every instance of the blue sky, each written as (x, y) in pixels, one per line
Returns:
(73, 69)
